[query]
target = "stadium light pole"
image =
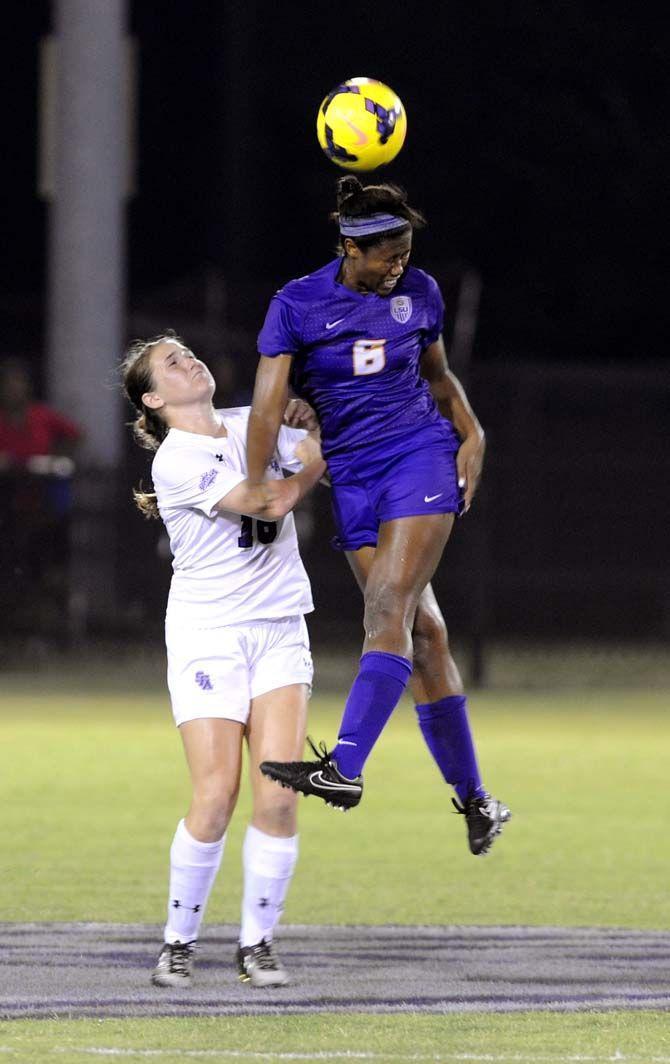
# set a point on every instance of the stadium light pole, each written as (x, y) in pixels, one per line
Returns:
(85, 174)
(85, 170)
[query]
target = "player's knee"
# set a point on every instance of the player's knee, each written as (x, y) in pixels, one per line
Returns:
(387, 605)
(213, 804)
(278, 815)
(430, 639)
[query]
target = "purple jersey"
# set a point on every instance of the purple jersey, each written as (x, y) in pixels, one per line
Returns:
(356, 357)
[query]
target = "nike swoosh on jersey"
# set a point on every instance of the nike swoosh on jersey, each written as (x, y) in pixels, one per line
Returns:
(332, 324)
(432, 498)
(317, 780)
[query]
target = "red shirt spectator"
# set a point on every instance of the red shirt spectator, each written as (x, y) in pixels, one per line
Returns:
(40, 431)
(29, 428)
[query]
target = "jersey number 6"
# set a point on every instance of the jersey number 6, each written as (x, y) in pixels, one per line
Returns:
(369, 357)
(266, 532)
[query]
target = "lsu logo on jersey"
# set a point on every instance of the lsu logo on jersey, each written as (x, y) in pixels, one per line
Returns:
(401, 308)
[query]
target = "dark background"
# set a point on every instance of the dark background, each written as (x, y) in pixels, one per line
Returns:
(538, 147)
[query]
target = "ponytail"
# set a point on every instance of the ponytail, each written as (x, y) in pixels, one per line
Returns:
(149, 428)
(357, 200)
(147, 503)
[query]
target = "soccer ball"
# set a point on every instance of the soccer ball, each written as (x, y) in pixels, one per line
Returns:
(361, 124)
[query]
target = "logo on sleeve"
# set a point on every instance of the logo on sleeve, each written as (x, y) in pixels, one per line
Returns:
(401, 308)
(208, 478)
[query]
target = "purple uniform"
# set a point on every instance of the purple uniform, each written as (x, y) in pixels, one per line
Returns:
(357, 362)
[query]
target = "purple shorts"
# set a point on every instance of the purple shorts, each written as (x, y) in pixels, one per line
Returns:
(396, 481)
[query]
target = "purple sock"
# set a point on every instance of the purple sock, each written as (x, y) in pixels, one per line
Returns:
(375, 693)
(446, 729)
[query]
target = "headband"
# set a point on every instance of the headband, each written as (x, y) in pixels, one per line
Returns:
(370, 223)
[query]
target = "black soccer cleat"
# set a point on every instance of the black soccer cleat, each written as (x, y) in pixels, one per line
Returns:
(175, 965)
(317, 777)
(260, 966)
(484, 817)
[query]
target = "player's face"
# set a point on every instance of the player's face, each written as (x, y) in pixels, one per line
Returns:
(178, 376)
(380, 267)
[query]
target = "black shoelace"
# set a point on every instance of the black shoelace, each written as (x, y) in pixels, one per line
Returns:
(470, 804)
(320, 752)
(264, 956)
(180, 955)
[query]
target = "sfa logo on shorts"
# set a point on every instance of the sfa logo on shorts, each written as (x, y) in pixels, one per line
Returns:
(401, 308)
(203, 681)
(208, 478)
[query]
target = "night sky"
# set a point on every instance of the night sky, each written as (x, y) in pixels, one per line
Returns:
(538, 147)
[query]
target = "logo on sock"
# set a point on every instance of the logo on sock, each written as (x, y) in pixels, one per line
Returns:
(176, 904)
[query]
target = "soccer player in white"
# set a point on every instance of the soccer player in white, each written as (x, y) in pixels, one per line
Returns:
(239, 664)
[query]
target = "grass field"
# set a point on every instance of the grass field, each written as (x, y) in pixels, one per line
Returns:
(93, 783)
(525, 1038)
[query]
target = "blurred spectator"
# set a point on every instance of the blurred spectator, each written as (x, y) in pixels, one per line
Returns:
(37, 445)
(29, 429)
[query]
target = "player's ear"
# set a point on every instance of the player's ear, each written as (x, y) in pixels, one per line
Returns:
(351, 248)
(152, 400)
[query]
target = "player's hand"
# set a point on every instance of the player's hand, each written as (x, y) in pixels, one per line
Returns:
(299, 415)
(469, 461)
(308, 451)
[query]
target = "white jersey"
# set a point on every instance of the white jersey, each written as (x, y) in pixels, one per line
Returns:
(227, 569)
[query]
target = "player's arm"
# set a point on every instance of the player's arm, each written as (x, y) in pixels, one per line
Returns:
(267, 413)
(300, 415)
(453, 404)
(273, 499)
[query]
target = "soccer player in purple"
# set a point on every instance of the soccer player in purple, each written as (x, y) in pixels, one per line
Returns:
(360, 340)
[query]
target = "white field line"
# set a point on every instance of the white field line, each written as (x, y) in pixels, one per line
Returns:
(336, 1055)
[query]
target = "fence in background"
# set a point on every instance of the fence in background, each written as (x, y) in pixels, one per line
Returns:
(567, 539)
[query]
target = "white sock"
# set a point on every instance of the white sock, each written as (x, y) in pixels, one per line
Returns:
(268, 864)
(193, 868)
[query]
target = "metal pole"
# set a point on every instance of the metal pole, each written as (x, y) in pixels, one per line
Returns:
(86, 178)
(86, 225)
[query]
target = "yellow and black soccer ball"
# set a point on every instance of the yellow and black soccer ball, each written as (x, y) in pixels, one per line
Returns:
(361, 124)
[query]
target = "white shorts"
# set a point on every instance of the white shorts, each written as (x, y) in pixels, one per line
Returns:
(215, 672)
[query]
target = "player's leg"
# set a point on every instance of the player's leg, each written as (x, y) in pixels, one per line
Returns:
(407, 554)
(213, 750)
(442, 712)
(437, 688)
(276, 731)
(441, 704)
(441, 707)
(209, 693)
(280, 678)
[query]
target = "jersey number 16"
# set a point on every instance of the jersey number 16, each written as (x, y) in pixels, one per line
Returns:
(266, 532)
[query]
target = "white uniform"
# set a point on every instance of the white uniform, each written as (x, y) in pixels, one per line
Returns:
(234, 625)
